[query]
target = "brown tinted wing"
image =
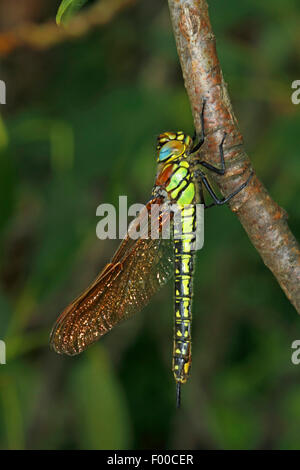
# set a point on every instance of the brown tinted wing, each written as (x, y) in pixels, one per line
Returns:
(138, 269)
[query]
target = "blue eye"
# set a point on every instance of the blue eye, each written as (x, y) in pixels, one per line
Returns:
(169, 149)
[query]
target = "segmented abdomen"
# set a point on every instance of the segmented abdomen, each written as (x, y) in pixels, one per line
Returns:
(184, 268)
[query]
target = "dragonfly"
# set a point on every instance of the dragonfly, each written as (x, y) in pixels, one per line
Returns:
(141, 266)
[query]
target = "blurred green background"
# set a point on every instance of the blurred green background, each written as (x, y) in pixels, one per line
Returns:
(79, 129)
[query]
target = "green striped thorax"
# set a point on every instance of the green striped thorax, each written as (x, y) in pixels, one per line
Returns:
(174, 173)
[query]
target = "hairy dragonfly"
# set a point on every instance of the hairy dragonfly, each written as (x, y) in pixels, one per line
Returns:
(141, 266)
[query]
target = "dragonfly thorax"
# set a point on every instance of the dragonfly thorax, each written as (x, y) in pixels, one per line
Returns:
(176, 180)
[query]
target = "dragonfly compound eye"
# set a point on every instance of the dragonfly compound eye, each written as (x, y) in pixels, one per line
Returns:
(170, 149)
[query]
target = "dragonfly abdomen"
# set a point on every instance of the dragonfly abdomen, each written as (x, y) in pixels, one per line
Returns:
(184, 268)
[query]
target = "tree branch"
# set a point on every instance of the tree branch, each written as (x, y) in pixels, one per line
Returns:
(49, 34)
(264, 221)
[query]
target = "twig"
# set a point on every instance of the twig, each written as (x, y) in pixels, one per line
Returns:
(48, 34)
(264, 221)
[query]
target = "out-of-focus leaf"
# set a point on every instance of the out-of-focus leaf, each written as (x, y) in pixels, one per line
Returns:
(18, 391)
(7, 187)
(237, 427)
(101, 411)
(12, 416)
(6, 177)
(6, 313)
(67, 9)
(290, 412)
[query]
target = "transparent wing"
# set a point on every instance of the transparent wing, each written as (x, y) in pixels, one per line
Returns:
(138, 269)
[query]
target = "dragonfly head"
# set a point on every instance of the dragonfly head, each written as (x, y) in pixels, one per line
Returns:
(171, 145)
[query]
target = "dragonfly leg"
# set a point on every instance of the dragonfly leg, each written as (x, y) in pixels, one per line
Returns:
(217, 201)
(202, 198)
(219, 171)
(201, 140)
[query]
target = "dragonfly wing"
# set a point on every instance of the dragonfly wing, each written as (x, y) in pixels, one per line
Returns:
(138, 269)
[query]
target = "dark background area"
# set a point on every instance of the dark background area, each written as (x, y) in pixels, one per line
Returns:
(79, 129)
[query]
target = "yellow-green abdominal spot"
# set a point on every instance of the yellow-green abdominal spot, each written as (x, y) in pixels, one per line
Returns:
(186, 245)
(187, 195)
(185, 284)
(186, 304)
(187, 225)
(185, 263)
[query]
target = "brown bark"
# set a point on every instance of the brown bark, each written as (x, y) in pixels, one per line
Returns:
(264, 221)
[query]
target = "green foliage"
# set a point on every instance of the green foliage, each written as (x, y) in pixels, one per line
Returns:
(83, 133)
(67, 9)
(101, 417)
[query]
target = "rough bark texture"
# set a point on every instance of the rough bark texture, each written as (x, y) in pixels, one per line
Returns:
(264, 221)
